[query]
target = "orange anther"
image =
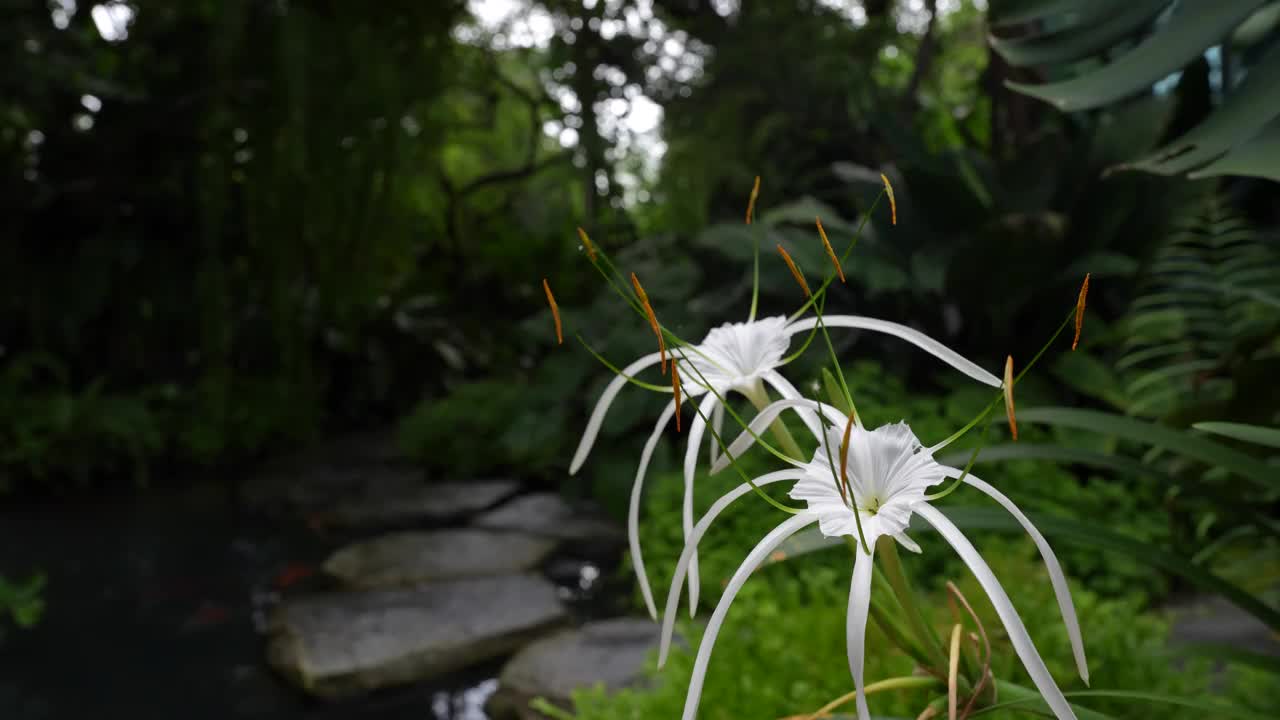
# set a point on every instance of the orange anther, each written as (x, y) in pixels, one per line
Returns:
(586, 243)
(831, 253)
(555, 311)
(795, 271)
(653, 320)
(844, 455)
(893, 205)
(751, 203)
(1084, 290)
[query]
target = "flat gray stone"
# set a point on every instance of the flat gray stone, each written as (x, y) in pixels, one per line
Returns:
(293, 484)
(410, 558)
(341, 644)
(611, 652)
(548, 514)
(1216, 620)
(437, 501)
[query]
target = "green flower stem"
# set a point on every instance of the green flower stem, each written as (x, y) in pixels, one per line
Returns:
(912, 682)
(882, 613)
(920, 627)
(760, 399)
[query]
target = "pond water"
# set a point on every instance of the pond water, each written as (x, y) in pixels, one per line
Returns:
(157, 606)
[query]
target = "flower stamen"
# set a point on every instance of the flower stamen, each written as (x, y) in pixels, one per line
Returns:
(844, 460)
(751, 202)
(586, 244)
(1084, 290)
(653, 320)
(555, 311)
(795, 271)
(1008, 396)
(893, 205)
(831, 253)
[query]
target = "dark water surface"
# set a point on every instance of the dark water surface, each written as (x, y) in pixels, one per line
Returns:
(156, 608)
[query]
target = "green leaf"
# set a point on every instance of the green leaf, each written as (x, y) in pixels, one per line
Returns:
(1231, 654)
(1028, 700)
(1103, 264)
(1256, 434)
(1064, 13)
(1054, 453)
(1079, 42)
(1017, 697)
(1060, 529)
(1090, 535)
(1192, 29)
(1246, 110)
(1087, 374)
(834, 394)
(1177, 441)
(1258, 157)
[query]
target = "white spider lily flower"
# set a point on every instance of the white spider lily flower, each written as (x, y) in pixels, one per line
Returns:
(888, 472)
(735, 357)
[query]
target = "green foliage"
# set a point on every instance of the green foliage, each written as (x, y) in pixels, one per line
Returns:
(782, 649)
(470, 431)
(1208, 306)
(1155, 39)
(1129, 503)
(22, 601)
(48, 428)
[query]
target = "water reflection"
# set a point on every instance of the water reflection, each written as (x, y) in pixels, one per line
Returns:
(467, 704)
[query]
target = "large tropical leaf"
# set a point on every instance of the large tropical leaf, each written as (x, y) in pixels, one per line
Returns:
(1069, 38)
(1069, 530)
(1173, 440)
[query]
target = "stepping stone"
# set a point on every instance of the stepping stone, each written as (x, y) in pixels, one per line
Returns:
(410, 558)
(437, 501)
(1215, 620)
(548, 514)
(341, 644)
(612, 652)
(318, 484)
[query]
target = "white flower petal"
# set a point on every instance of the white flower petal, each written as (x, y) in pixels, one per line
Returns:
(1056, 576)
(856, 624)
(786, 529)
(905, 541)
(633, 511)
(717, 424)
(691, 545)
(789, 392)
(762, 420)
(602, 407)
(915, 337)
(690, 465)
(1017, 632)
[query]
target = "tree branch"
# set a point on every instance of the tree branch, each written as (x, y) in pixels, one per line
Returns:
(924, 56)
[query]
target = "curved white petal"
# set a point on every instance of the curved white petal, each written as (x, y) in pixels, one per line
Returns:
(913, 336)
(717, 424)
(786, 529)
(789, 392)
(905, 541)
(1018, 635)
(1056, 576)
(691, 545)
(856, 624)
(633, 511)
(696, 431)
(602, 407)
(761, 421)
